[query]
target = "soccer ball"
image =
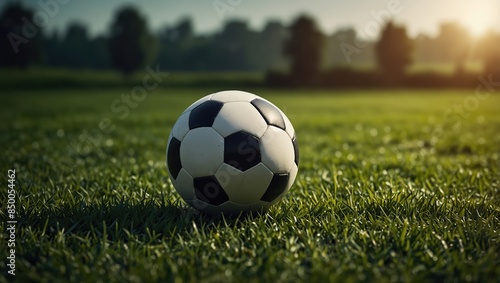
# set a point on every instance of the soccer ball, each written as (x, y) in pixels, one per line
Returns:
(232, 151)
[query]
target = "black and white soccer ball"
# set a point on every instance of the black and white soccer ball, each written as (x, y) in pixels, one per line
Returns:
(232, 151)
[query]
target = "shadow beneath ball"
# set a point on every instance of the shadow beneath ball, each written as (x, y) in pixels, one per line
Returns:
(227, 219)
(108, 223)
(125, 220)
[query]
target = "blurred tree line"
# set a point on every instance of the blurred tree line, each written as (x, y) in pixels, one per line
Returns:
(129, 45)
(297, 55)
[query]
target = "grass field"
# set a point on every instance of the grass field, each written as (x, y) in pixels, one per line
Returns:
(49, 78)
(387, 191)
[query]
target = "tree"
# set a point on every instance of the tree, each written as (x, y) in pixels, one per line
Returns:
(268, 52)
(394, 52)
(99, 52)
(184, 30)
(344, 47)
(232, 46)
(489, 51)
(76, 47)
(174, 45)
(131, 46)
(20, 39)
(454, 44)
(305, 49)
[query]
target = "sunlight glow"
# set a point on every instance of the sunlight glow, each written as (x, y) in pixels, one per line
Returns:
(477, 17)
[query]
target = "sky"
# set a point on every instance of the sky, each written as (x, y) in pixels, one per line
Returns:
(419, 16)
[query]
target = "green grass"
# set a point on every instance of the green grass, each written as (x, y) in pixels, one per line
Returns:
(472, 66)
(445, 68)
(36, 78)
(49, 78)
(379, 196)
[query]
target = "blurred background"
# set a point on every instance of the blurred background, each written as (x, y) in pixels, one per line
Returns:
(222, 43)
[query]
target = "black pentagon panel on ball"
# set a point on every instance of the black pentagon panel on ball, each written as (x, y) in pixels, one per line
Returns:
(208, 190)
(296, 150)
(174, 157)
(204, 114)
(270, 113)
(276, 187)
(242, 150)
